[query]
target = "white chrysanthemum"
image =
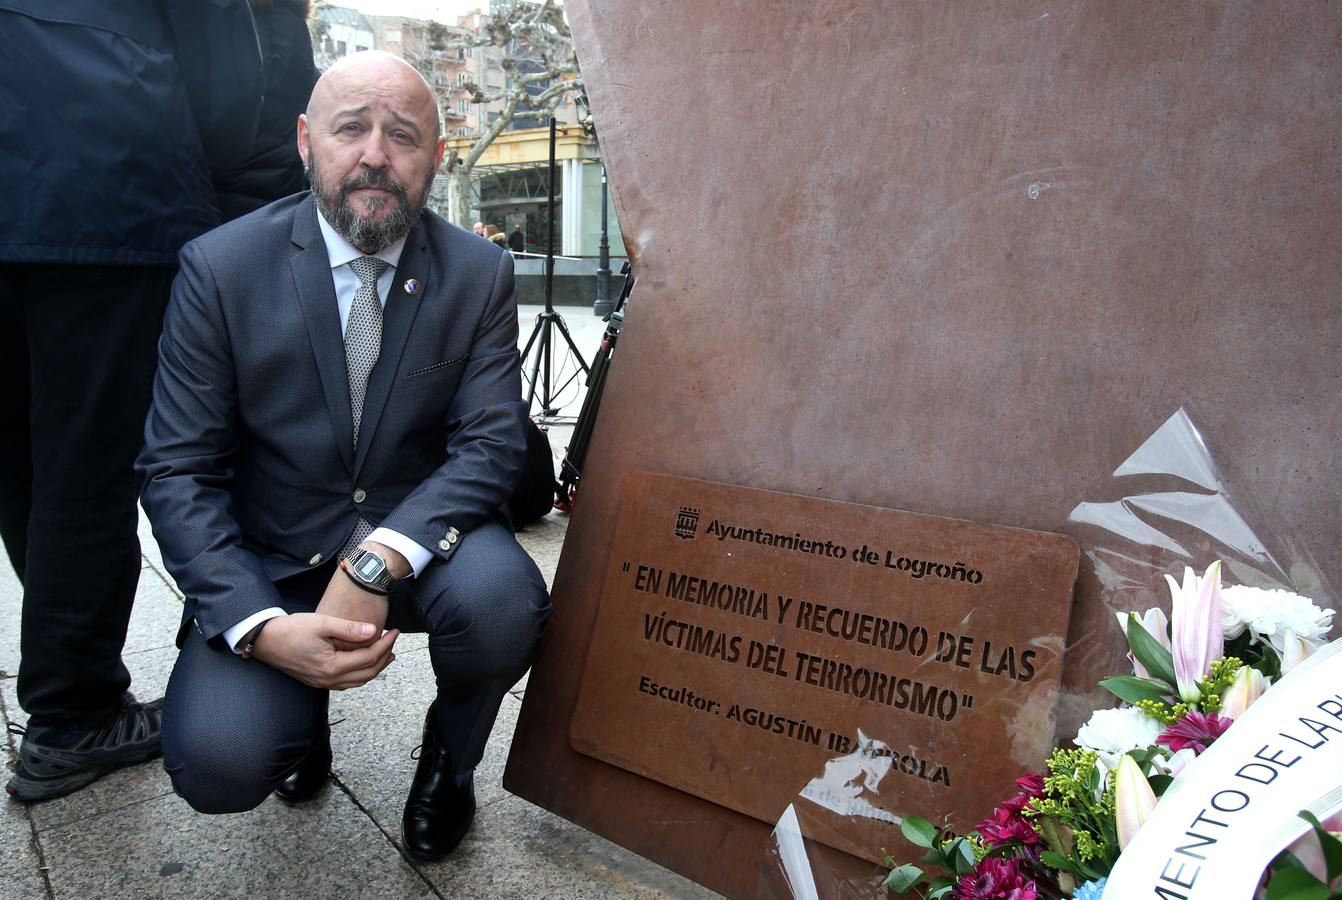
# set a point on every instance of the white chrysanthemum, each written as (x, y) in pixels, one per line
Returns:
(1273, 616)
(1113, 732)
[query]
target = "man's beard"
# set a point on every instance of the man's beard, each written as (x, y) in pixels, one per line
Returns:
(368, 236)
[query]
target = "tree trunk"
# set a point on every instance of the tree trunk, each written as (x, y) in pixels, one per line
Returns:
(459, 197)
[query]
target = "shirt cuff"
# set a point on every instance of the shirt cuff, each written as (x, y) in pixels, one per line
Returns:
(235, 635)
(414, 554)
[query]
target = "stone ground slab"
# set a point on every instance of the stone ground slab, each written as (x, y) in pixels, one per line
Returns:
(161, 848)
(20, 862)
(520, 850)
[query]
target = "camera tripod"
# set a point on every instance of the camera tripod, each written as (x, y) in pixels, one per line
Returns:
(542, 336)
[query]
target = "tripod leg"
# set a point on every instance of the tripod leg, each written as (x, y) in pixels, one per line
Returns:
(563, 329)
(531, 340)
(547, 349)
(535, 365)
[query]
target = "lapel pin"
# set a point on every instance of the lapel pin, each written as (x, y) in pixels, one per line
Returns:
(412, 286)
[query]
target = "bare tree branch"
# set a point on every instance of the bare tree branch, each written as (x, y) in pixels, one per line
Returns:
(534, 48)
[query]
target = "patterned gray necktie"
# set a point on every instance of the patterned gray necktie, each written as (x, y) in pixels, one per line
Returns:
(363, 343)
(363, 333)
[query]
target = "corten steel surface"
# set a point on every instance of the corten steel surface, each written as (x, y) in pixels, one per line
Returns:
(748, 638)
(959, 259)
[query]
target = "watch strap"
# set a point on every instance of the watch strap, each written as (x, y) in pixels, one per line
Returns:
(359, 582)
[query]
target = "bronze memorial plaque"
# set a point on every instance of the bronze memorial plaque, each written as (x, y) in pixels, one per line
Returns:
(747, 639)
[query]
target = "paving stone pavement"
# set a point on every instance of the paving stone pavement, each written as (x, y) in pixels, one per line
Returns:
(128, 835)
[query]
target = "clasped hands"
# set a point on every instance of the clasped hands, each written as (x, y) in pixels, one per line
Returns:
(341, 645)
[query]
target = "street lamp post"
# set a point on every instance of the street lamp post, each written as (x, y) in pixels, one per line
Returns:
(603, 305)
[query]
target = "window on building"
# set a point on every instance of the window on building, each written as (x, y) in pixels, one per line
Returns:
(462, 132)
(340, 48)
(462, 78)
(463, 105)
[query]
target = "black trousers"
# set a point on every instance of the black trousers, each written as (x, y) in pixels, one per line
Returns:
(77, 359)
(234, 728)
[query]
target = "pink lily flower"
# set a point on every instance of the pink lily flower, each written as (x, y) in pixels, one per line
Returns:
(1196, 628)
(1133, 800)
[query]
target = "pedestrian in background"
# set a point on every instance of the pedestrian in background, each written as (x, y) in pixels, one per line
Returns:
(274, 168)
(498, 237)
(112, 115)
(516, 241)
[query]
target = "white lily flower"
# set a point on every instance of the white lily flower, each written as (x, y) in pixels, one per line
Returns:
(1247, 687)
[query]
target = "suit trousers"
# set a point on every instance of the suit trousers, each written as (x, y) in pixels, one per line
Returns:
(234, 728)
(77, 358)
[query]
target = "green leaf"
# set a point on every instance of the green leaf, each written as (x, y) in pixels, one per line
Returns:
(1131, 689)
(961, 854)
(1296, 884)
(1142, 755)
(902, 879)
(1157, 660)
(919, 831)
(1332, 847)
(1160, 784)
(1058, 861)
(940, 887)
(1285, 860)
(1054, 860)
(1093, 779)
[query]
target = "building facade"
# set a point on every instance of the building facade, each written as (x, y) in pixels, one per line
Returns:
(510, 181)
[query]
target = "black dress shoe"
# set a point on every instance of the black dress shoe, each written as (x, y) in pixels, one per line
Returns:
(441, 804)
(313, 772)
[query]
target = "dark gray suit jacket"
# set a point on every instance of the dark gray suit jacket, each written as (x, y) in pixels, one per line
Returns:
(250, 474)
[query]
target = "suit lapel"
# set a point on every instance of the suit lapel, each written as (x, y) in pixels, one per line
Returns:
(316, 295)
(397, 318)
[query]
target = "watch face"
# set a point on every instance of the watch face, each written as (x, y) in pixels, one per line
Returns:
(370, 567)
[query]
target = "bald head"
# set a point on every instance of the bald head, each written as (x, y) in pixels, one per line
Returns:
(378, 72)
(372, 142)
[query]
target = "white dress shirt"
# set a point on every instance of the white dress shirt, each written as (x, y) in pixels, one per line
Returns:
(341, 252)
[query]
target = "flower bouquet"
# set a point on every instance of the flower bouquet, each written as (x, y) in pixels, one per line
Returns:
(1195, 672)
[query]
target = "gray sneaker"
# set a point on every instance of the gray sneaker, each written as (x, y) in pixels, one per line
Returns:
(53, 764)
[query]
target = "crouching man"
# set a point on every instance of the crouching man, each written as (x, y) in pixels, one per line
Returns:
(337, 419)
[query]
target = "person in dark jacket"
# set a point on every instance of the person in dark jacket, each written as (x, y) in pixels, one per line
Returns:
(111, 125)
(274, 169)
(516, 241)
